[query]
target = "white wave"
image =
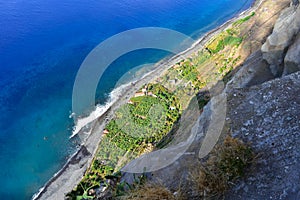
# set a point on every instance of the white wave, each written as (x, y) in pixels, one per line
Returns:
(99, 109)
(72, 115)
(35, 196)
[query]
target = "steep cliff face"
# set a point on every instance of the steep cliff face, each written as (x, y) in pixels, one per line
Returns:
(292, 58)
(284, 32)
(265, 112)
(267, 117)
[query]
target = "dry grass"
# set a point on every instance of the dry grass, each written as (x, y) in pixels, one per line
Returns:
(225, 164)
(149, 191)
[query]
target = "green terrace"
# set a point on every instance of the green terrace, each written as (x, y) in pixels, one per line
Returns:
(142, 125)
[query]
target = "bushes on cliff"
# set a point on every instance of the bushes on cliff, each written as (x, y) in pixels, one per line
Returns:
(136, 127)
(226, 163)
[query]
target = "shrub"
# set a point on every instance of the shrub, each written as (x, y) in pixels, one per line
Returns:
(240, 21)
(149, 192)
(227, 40)
(226, 163)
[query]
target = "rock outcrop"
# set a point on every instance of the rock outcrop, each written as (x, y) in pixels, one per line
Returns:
(267, 117)
(286, 28)
(292, 58)
(295, 2)
(263, 111)
(254, 71)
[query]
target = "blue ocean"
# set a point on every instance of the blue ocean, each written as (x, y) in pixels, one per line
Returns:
(42, 45)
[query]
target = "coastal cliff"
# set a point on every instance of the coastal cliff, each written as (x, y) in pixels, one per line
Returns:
(254, 57)
(263, 109)
(266, 115)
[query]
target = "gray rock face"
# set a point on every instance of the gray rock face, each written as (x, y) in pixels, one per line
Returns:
(295, 2)
(262, 111)
(254, 71)
(292, 58)
(267, 117)
(285, 29)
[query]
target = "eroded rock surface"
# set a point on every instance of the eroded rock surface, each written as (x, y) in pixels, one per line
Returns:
(262, 111)
(285, 29)
(267, 116)
(254, 71)
(292, 58)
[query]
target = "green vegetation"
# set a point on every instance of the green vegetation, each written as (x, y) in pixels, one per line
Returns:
(184, 79)
(146, 123)
(85, 194)
(138, 125)
(240, 21)
(147, 120)
(230, 37)
(228, 64)
(122, 188)
(225, 39)
(225, 46)
(226, 163)
(200, 58)
(187, 71)
(231, 31)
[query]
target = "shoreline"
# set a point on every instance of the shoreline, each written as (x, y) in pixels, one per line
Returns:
(71, 173)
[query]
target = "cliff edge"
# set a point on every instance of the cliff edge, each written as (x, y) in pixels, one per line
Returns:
(263, 110)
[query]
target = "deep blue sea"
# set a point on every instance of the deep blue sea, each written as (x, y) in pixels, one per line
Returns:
(42, 45)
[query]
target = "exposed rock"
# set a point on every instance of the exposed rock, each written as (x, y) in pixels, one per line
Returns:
(261, 110)
(285, 29)
(295, 2)
(254, 71)
(292, 58)
(267, 116)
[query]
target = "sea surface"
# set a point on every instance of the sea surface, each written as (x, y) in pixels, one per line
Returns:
(42, 45)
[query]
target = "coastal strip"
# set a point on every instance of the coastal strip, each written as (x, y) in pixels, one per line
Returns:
(72, 172)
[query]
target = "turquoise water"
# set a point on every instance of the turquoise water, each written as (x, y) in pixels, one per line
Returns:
(43, 43)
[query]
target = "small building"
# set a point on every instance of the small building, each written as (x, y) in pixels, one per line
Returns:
(172, 108)
(151, 94)
(105, 132)
(130, 102)
(144, 90)
(173, 81)
(176, 66)
(139, 94)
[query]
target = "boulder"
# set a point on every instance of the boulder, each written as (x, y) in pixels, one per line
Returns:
(285, 29)
(292, 58)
